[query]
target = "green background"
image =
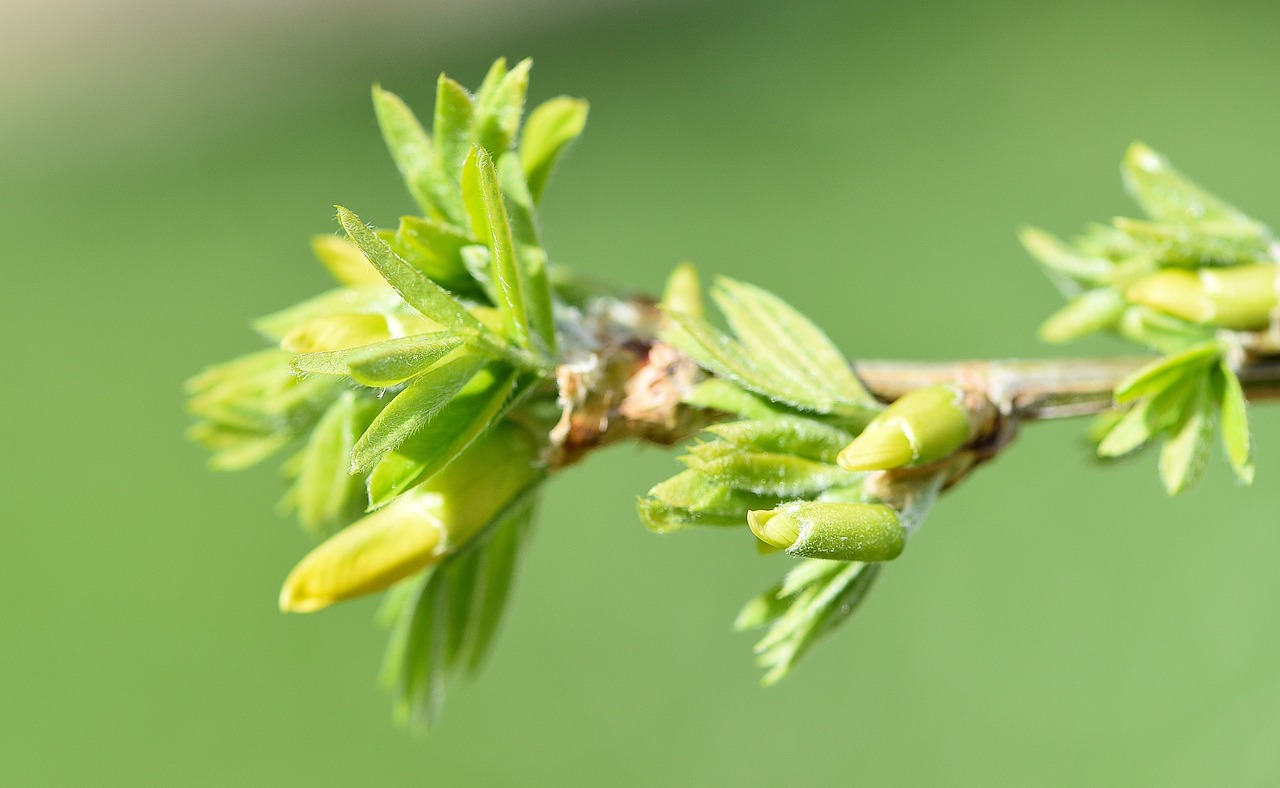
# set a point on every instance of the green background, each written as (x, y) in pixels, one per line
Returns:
(1056, 622)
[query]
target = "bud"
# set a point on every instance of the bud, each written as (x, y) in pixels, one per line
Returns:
(417, 529)
(834, 531)
(920, 427)
(1239, 298)
(683, 293)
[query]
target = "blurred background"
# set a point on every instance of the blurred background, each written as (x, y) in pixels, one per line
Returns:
(162, 166)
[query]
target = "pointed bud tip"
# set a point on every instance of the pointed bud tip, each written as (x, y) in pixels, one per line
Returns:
(292, 601)
(877, 450)
(774, 530)
(1141, 156)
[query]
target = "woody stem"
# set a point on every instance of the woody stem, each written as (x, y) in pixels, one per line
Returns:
(1042, 389)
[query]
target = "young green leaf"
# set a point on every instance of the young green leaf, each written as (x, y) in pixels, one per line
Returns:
(340, 332)
(1235, 423)
(454, 126)
(772, 330)
(1169, 196)
(727, 358)
(492, 78)
(416, 289)
(370, 299)
(548, 132)
(765, 473)
(1184, 456)
(344, 261)
(1130, 433)
(719, 394)
(798, 613)
(1163, 372)
(499, 560)
(484, 202)
(396, 360)
(478, 405)
(326, 494)
(234, 448)
(446, 625)
(1090, 312)
(1201, 244)
(1067, 267)
(499, 106)
(416, 158)
(806, 438)
(413, 408)
(690, 498)
(435, 249)
(529, 253)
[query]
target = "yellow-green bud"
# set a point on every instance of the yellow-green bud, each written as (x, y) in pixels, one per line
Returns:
(417, 529)
(834, 531)
(1240, 298)
(683, 293)
(921, 427)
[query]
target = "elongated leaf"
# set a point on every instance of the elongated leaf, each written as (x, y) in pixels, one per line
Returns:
(805, 438)
(1184, 456)
(499, 560)
(517, 202)
(1164, 333)
(414, 287)
(768, 474)
(727, 358)
(1128, 434)
(447, 623)
(772, 328)
(548, 132)
(1067, 267)
(372, 299)
(478, 405)
(529, 253)
(454, 126)
(236, 449)
(1162, 372)
(413, 408)
(814, 599)
(1090, 312)
(326, 494)
(416, 158)
(1169, 196)
(499, 105)
(435, 249)
(483, 197)
(1235, 424)
(340, 332)
(344, 261)
(690, 498)
(719, 394)
(1201, 244)
(397, 360)
(461, 578)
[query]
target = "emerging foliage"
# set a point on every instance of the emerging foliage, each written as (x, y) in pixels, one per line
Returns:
(456, 366)
(1194, 283)
(403, 388)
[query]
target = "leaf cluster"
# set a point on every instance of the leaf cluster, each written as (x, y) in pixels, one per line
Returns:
(1103, 271)
(1190, 282)
(1182, 398)
(793, 404)
(438, 330)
